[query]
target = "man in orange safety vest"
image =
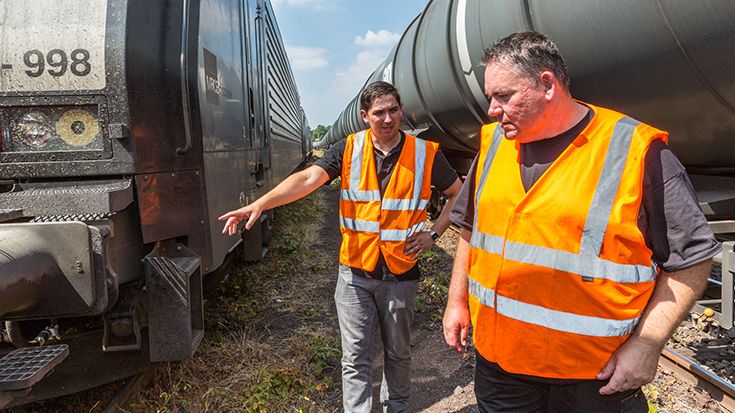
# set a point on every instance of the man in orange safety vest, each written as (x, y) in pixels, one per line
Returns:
(386, 183)
(574, 267)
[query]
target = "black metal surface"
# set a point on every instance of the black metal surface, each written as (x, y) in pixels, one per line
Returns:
(52, 270)
(69, 198)
(24, 367)
(172, 205)
(87, 367)
(716, 195)
(10, 214)
(175, 312)
(153, 58)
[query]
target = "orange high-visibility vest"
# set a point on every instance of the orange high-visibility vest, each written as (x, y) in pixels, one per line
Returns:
(371, 224)
(559, 276)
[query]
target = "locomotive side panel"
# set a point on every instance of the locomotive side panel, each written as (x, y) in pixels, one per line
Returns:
(284, 118)
(223, 77)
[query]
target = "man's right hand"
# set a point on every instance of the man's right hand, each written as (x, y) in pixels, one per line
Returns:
(456, 325)
(252, 212)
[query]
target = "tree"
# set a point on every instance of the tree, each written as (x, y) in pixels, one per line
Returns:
(318, 132)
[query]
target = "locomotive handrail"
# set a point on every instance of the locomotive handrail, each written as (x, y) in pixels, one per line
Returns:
(185, 79)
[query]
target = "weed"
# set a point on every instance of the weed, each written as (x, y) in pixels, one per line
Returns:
(324, 353)
(336, 183)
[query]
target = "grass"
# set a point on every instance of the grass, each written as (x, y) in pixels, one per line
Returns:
(436, 270)
(270, 338)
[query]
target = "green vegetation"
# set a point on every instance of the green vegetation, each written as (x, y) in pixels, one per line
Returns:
(431, 298)
(318, 132)
(271, 344)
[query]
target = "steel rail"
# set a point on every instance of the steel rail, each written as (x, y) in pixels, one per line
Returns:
(689, 370)
(128, 391)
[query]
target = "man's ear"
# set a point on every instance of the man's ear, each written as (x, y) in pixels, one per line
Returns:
(549, 82)
(364, 116)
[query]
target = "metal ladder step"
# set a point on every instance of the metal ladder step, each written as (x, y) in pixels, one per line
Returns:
(24, 367)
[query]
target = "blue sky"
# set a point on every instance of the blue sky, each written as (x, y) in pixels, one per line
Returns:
(334, 45)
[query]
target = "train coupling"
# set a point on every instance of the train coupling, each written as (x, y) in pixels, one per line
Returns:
(23, 367)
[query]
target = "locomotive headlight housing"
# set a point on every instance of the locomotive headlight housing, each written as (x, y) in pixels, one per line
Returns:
(33, 129)
(77, 127)
(50, 129)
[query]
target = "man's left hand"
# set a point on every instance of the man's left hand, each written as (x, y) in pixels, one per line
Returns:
(630, 367)
(418, 243)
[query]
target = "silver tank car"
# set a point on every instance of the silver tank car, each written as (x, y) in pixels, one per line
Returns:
(667, 63)
(126, 128)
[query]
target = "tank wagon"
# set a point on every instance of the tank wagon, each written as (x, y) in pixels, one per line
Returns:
(127, 128)
(668, 64)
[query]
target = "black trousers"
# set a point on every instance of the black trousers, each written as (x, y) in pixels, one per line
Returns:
(499, 391)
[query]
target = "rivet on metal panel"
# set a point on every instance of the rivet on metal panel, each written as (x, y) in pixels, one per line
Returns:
(201, 222)
(79, 267)
(173, 175)
(178, 248)
(145, 177)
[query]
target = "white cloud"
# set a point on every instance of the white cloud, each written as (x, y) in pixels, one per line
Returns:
(305, 58)
(381, 38)
(376, 46)
(352, 78)
(315, 4)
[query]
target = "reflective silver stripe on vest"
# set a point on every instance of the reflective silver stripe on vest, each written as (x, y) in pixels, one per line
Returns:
(489, 243)
(552, 319)
(359, 225)
(485, 296)
(419, 166)
(497, 139)
(415, 203)
(356, 166)
(612, 173)
(400, 234)
(587, 263)
(563, 321)
(404, 204)
(584, 265)
(360, 196)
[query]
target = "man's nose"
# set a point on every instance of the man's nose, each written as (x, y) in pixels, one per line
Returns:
(494, 110)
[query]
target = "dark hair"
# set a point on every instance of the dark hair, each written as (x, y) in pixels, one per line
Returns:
(376, 90)
(531, 53)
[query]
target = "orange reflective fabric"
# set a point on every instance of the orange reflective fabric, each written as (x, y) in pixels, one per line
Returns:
(360, 249)
(552, 215)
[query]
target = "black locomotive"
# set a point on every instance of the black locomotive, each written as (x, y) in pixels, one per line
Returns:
(127, 127)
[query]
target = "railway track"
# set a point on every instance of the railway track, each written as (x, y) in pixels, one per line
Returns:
(128, 391)
(682, 364)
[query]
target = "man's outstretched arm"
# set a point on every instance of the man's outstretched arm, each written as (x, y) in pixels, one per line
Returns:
(291, 189)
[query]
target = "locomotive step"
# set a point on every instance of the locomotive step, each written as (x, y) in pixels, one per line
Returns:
(24, 367)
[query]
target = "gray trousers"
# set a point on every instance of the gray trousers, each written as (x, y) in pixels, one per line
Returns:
(363, 304)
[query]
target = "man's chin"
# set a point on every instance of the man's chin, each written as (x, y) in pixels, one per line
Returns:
(387, 134)
(511, 134)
